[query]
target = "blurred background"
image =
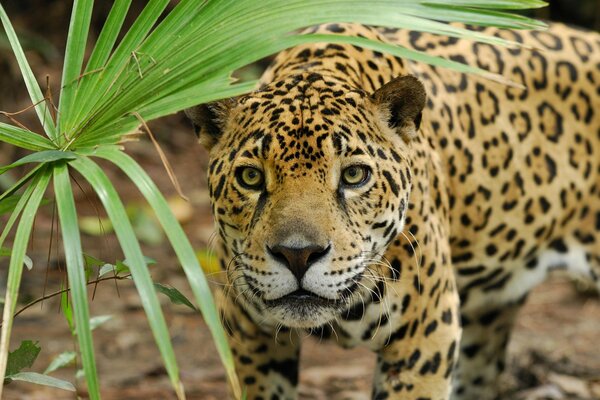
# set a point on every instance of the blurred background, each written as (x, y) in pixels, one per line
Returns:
(554, 352)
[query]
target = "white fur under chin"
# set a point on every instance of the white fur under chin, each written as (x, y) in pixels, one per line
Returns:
(302, 318)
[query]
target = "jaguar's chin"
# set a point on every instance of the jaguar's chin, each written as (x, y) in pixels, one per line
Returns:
(302, 309)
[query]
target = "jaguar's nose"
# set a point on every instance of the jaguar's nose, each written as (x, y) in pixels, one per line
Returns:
(298, 259)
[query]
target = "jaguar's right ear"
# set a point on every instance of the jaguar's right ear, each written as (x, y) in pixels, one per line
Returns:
(209, 120)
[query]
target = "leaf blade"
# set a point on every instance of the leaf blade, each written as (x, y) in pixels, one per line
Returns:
(22, 357)
(60, 361)
(40, 157)
(15, 268)
(67, 214)
(136, 263)
(35, 93)
(74, 52)
(185, 254)
(45, 380)
(23, 138)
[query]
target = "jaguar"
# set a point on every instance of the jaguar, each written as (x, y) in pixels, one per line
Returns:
(396, 205)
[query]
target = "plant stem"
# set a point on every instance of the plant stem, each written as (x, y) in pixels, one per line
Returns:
(59, 292)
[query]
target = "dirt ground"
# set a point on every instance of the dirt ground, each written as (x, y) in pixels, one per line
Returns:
(554, 352)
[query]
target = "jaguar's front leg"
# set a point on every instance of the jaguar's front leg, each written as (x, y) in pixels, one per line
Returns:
(266, 359)
(418, 361)
(486, 334)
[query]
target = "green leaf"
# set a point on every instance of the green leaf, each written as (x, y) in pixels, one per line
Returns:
(22, 358)
(190, 55)
(76, 275)
(74, 52)
(108, 269)
(8, 204)
(67, 310)
(15, 214)
(89, 98)
(39, 379)
(174, 295)
(5, 252)
(117, 270)
(108, 35)
(41, 157)
(136, 262)
(15, 267)
(92, 261)
(23, 138)
(35, 93)
(183, 249)
(62, 360)
(492, 4)
(21, 182)
(99, 320)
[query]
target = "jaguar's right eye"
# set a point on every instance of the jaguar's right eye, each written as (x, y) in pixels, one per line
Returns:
(355, 176)
(250, 178)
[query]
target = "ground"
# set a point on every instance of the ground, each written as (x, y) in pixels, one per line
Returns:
(554, 352)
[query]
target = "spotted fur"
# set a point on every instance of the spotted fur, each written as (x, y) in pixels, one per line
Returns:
(474, 194)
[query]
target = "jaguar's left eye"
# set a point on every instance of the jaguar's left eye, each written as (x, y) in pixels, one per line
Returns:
(356, 175)
(250, 178)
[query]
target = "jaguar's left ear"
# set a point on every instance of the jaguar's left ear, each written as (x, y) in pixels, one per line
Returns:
(402, 101)
(209, 120)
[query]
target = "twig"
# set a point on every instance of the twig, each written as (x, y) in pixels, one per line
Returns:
(163, 157)
(9, 115)
(59, 292)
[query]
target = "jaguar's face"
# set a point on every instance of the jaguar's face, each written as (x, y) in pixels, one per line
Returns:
(309, 185)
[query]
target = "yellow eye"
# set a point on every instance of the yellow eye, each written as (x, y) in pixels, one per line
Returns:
(249, 177)
(355, 175)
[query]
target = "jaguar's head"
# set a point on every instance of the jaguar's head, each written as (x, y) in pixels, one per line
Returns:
(309, 183)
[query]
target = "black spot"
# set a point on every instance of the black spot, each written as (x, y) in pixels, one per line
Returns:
(219, 188)
(431, 269)
(471, 350)
(355, 313)
(551, 166)
(544, 204)
(491, 249)
(471, 270)
(392, 182)
(399, 334)
(559, 245)
(489, 317)
(462, 257)
(335, 28)
(447, 316)
(414, 357)
(245, 360)
(287, 368)
(396, 268)
(405, 302)
(431, 327)
(555, 130)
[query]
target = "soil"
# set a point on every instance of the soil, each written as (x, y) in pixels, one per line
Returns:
(554, 352)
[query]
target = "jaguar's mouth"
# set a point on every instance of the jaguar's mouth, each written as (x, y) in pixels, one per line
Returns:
(302, 309)
(301, 298)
